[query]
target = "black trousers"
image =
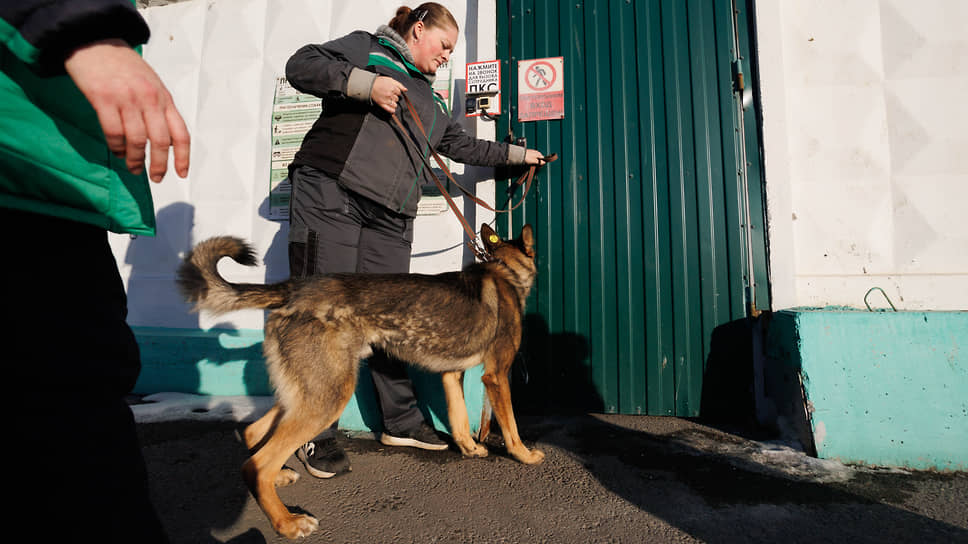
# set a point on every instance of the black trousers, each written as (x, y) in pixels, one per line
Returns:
(333, 230)
(76, 454)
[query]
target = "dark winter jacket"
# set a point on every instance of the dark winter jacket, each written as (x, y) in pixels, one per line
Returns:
(53, 156)
(356, 142)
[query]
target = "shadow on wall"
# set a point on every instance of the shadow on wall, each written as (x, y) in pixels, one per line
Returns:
(276, 258)
(751, 381)
(177, 355)
(552, 374)
(728, 381)
(153, 300)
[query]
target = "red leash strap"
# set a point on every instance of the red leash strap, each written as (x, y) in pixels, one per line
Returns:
(525, 179)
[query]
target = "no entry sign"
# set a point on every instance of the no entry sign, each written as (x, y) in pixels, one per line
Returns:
(541, 91)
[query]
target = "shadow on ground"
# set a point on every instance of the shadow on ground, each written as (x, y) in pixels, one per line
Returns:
(733, 484)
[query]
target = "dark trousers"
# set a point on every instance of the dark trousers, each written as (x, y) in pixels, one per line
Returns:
(333, 230)
(76, 454)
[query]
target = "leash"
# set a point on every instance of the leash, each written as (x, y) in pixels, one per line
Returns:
(526, 179)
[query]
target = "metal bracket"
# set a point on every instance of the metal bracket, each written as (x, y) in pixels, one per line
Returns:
(885, 298)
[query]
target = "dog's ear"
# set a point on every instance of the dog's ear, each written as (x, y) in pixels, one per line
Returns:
(527, 240)
(491, 239)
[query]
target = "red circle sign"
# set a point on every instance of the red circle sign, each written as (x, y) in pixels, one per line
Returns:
(540, 76)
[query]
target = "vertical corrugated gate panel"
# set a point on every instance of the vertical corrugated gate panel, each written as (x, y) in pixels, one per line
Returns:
(660, 376)
(603, 339)
(628, 211)
(638, 225)
(574, 227)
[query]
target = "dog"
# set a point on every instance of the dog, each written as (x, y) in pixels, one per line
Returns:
(319, 328)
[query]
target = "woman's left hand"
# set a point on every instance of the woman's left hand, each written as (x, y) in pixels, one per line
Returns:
(533, 157)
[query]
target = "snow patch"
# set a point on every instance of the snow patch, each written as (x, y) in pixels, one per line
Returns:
(161, 407)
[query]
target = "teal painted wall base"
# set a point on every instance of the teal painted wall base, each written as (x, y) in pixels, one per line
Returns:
(230, 362)
(873, 388)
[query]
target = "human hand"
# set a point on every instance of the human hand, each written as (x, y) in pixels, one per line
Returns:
(386, 93)
(133, 106)
(534, 157)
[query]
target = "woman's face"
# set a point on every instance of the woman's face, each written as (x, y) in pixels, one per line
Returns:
(431, 46)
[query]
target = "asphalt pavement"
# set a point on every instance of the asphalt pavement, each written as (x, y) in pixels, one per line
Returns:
(606, 478)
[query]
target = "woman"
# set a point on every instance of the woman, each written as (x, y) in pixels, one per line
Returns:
(356, 180)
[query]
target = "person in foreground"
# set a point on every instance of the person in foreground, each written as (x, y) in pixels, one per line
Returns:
(78, 106)
(356, 181)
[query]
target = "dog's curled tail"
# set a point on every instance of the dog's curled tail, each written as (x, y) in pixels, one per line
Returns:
(202, 285)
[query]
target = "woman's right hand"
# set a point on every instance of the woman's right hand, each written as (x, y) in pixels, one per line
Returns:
(133, 105)
(386, 93)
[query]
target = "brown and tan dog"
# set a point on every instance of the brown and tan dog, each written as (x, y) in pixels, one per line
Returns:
(319, 329)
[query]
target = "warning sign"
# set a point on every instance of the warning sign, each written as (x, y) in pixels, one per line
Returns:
(541, 90)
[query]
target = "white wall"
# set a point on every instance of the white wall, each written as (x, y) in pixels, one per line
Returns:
(865, 105)
(220, 59)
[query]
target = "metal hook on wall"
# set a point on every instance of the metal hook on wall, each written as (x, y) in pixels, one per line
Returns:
(885, 298)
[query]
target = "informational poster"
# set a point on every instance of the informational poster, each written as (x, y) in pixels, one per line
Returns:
(541, 90)
(293, 114)
(432, 201)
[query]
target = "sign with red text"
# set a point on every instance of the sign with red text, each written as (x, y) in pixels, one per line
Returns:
(541, 89)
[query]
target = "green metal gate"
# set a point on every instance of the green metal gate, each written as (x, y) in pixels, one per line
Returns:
(650, 229)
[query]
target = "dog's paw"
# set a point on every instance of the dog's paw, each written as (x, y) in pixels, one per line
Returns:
(530, 457)
(474, 451)
(297, 526)
(286, 476)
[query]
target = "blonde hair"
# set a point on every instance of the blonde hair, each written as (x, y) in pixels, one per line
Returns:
(432, 14)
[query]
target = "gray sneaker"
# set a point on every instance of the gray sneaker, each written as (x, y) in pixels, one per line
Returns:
(423, 437)
(324, 458)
